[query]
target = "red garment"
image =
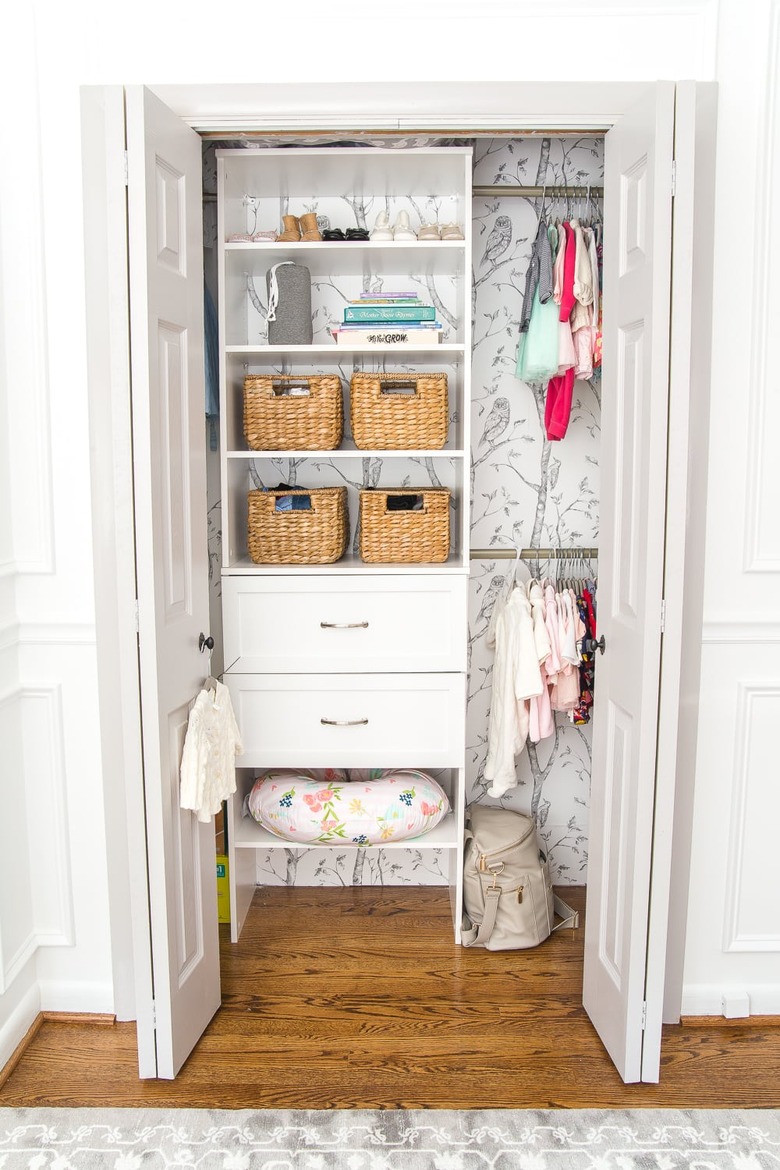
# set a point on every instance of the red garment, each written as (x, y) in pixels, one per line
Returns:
(557, 406)
(569, 256)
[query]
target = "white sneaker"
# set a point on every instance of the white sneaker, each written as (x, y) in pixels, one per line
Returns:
(402, 229)
(381, 229)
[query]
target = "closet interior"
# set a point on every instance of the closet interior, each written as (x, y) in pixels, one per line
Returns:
(350, 668)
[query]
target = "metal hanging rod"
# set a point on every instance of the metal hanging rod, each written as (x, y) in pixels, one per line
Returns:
(556, 192)
(534, 554)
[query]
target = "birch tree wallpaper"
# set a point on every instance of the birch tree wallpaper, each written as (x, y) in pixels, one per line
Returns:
(526, 491)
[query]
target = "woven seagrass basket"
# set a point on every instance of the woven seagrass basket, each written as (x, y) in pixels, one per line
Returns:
(315, 536)
(384, 419)
(408, 537)
(276, 420)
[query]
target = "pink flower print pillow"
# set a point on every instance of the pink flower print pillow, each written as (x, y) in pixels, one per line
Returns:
(325, 808)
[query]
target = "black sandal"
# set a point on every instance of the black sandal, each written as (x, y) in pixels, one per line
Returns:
(333, 234)
(357, 234)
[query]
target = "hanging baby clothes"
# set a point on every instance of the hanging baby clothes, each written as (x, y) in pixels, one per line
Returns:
(541, 719)
(560, 388)
(515, 672)
(208, 762)
(538, 275)
(537, 351)
(587, 673)
(582, 313)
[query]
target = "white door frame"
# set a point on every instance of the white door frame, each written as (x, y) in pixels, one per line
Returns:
(450, 109)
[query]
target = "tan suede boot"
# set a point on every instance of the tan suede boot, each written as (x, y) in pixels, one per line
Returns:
(309, 229)
(292, 229)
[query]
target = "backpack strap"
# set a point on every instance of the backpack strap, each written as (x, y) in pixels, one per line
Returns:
(563, 910)
(472, 936)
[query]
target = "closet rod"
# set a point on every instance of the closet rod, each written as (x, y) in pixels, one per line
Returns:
(555, 192)
(533, 554)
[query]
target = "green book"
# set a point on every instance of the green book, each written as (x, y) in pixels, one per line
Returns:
(390, 313)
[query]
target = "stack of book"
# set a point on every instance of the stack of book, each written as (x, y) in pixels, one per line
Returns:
(393, 318)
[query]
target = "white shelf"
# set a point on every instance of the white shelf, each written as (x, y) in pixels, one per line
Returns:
(415, 247)
(331, 349)
(350, 453)
(349, 564)
(250, 835)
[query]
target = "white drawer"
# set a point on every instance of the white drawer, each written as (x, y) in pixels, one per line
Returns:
(366, 720)
(370, 623)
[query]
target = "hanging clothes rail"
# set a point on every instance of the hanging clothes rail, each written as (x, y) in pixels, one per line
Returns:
(556, 192)
(541, 554)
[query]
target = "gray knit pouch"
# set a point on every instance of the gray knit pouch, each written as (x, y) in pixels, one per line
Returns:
(289, 305)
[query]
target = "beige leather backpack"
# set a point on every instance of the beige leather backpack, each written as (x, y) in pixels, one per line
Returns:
(507, 892)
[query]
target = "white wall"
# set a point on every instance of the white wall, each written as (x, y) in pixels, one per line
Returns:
(733, 947)
(47, 653)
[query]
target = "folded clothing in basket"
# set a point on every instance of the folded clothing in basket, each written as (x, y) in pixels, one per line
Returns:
(391, 805)
(293, 503)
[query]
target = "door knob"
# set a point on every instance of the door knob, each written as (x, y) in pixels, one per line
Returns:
(205, 643)
(590, 645)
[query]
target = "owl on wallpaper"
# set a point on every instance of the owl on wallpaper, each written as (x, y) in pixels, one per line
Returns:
(496, 422)
(489, 600)
(499, 239)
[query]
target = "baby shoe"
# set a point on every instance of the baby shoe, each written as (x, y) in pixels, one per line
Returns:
(429, 231)
(402, 229)
(333, 234)
(381, 230)
(292, 229)
(309, 229)
(356, 234)
(451, 231)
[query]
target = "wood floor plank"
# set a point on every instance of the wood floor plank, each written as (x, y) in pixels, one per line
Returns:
(358, 998)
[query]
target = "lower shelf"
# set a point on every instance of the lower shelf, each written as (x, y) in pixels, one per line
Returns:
(250, 835)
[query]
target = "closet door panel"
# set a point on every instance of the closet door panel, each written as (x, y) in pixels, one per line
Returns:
(298, 624)
(316, 721)
(637, 250)
(166, 344)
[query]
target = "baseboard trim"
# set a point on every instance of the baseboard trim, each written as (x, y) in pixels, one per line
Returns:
(101, 1019)
(737, 1022)
(707, 999)
(21, 1048)
(96, 1019)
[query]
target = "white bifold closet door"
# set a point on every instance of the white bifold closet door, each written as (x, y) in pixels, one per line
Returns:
(168, 405)
(634, 418)
(165, 251)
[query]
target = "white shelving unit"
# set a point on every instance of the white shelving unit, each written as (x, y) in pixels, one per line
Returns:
(409, 669)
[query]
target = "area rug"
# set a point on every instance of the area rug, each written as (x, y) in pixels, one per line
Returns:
(185, 1139)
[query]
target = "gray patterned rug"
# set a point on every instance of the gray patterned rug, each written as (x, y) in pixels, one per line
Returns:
(204, 1139)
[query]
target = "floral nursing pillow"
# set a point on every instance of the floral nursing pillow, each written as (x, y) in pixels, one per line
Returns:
(330, 808)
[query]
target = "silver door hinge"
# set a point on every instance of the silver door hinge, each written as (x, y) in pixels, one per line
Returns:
(127, 172)
(137, 616)
(663, 616)
(674, 178)
(154, 1016)
(644, 1015)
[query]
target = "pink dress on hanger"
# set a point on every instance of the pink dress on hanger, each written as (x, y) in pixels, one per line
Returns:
(557, 407)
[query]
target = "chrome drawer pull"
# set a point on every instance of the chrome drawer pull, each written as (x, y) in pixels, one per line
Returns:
(344, 722)
(344, 625)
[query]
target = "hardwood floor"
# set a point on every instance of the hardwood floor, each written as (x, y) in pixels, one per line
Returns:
(358, 998)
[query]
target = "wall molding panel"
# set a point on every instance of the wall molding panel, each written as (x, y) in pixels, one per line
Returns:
(762, 533)
(25, 360)
(37, 895)
(751, 920)
(737, 631)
